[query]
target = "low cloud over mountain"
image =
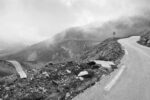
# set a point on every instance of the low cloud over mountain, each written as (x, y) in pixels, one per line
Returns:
(32, 21)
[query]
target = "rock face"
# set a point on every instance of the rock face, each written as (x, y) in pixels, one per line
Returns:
(145, 39)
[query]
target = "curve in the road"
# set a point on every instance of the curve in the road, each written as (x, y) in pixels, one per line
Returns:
(134, 84)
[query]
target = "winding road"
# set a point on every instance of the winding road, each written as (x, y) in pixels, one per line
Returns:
(18, 68)
(134, 82)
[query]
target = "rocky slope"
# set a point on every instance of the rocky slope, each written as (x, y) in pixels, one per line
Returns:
(54, 82)
(60, 51)
(108, 50)
(145, 39)
(63, 81)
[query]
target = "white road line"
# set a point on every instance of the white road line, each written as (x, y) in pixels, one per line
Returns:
(115, 79)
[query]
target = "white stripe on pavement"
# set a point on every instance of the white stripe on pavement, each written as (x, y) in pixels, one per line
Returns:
(115, 79)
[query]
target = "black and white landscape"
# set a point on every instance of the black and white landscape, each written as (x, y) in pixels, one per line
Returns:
(74, 50)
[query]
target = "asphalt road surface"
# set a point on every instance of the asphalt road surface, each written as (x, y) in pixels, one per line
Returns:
(19, 69)
(134, 82)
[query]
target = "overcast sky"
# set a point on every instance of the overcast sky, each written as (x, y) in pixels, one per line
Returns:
(31, 21)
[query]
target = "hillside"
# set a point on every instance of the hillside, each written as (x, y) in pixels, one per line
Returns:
(71, 42)
(108, 50)
(60, 51)
(62, 81)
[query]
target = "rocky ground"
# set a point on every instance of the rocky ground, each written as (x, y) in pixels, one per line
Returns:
(145, 39)
(108, 50)
(65, 80)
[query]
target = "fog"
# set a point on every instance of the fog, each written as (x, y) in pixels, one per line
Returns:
(31, 21)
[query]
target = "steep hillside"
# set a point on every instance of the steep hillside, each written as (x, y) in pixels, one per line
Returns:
(108, 50)
(71, 42)
(60, 51)
(64, 81)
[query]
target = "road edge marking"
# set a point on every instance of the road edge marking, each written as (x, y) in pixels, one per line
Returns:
(109, 86)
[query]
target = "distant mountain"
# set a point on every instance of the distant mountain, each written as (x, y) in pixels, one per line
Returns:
(72, 42)
(11, 49)
(53, 52)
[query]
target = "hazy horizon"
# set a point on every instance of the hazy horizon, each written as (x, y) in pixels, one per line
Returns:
(31, 21)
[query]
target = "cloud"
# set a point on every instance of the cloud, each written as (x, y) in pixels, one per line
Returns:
(88, 11)
(16, 33)
(68, 3)
(31, 21)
